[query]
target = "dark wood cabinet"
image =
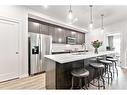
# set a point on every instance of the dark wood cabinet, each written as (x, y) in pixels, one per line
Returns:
(80, 38)
(73, 34)
(44, 29)
(33, 27)
(52, 33)
(58, 34)
(68, 33)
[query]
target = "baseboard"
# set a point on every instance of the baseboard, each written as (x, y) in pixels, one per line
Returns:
(24, 75)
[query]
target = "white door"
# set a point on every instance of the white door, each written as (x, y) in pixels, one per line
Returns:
(9, 64)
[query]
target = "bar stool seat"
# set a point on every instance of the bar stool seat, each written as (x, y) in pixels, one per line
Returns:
(100, 58)
(97, 65)
(111, 59)
(80, 73)
(105, 61)
(108, 56)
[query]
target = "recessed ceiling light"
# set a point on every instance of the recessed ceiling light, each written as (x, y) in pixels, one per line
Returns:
(59, 29)
(73, 33)
(60, 40)
(36, 24)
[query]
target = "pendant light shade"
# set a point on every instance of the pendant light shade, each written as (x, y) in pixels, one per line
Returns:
(91, 17)
(70, 16)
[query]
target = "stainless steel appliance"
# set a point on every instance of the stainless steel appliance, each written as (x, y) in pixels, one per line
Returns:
(71, 40)
(39, 45)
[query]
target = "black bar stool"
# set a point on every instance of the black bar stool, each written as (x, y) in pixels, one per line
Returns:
(99, 69)
(113, 60)
(107, 71)
(80, 73)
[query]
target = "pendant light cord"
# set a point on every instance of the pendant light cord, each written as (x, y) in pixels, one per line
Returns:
(91, 17)
(102, 22)
(70, 9)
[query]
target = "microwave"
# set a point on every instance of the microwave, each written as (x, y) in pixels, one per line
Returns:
(71, 40)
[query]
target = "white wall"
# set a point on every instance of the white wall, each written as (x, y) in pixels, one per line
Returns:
(20, 14)
(95, 35)
(118, 27)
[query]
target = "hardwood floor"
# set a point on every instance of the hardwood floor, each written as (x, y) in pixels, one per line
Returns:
(37, 82)
(119, 83)
(33, 83)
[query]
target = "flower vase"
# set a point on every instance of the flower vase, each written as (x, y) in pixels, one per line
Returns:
(96, 50)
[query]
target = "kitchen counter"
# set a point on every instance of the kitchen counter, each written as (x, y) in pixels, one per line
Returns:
(59, 67)
(69, 57)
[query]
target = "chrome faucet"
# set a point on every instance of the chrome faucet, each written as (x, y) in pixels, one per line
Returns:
(84, 46)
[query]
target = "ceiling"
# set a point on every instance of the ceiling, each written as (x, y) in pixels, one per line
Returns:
(112, 14)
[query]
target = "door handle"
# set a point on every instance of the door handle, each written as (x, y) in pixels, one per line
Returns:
(40, 46)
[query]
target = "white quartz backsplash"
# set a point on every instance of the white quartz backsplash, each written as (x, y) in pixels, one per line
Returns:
(65, 47)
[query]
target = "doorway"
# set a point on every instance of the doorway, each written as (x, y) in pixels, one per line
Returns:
(9, 49)
(113, 43)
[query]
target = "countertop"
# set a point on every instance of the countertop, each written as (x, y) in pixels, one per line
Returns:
(69, 57)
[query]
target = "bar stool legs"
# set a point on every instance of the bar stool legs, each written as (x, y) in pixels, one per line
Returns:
(72, 80)
(110, 73)
(102, 79)
(116, 69)
(86, 83)
(113, 60)
(80, 83)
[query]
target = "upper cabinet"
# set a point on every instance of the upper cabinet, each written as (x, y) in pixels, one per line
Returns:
(52, 31)
(33, 27)
(44, 29)
(59, 34)
(80, 38)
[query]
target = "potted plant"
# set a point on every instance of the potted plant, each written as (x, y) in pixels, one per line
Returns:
(96, 44)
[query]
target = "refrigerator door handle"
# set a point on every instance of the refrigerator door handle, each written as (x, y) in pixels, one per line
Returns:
(40, 46)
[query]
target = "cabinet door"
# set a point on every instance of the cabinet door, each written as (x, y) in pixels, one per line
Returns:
(73, 34)
(80, 38)
(83, 38)
(68, 33)
(33, 27)
(52, 33)
(44, 29)
(60, 35)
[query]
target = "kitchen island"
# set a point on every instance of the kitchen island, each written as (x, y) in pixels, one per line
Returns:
(59, 66)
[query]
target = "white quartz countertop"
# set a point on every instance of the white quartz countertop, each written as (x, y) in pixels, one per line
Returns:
(69, 57)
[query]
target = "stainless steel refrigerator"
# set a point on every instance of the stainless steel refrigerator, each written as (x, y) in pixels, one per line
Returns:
(39, 45)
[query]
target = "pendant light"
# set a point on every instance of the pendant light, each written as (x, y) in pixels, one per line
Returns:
(102, 22)
(70, 16)
(91, 17)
